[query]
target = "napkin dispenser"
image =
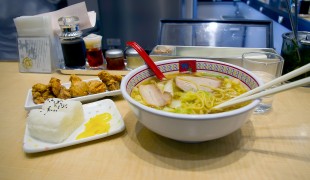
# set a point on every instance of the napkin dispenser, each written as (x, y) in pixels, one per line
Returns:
(37, 46)
(38, 43)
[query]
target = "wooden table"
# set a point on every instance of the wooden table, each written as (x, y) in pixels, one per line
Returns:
(270, 146)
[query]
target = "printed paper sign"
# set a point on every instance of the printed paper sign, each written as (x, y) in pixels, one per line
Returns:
(34, 54)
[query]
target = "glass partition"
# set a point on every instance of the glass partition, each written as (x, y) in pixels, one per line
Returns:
(217, 33)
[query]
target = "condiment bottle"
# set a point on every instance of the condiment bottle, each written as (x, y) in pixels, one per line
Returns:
(72, 44)
(115, 59)
(134, 60)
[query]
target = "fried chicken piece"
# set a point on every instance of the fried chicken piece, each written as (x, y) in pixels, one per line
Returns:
(39, 87)
(113, 85)
(74, 78)
(41, 92)
(55, 86)
(104, 76)
(78, 87)
(64, 93)
(117, 78)
(95, 86)
(112, 81)
(59, 90)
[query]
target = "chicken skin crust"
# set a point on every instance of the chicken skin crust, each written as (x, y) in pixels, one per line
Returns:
(41, 92)
(78, 87)
(55, 86)
(112, 81)
(96, 86)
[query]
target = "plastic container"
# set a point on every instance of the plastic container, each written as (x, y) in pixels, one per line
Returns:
(94, 54)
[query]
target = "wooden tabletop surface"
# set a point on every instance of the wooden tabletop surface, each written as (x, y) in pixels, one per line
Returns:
(275, 145)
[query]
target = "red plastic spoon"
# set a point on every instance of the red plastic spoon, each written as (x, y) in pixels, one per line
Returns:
(147, 59)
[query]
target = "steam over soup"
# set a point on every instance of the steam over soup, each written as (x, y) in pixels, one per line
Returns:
(194, 93)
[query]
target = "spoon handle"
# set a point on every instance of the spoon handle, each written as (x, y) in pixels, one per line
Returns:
(147, 60)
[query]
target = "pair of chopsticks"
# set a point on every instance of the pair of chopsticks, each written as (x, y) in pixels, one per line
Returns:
(258, 92)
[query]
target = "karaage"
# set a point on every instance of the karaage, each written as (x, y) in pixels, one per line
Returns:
(95, 86)
(41, 92)
(55, 86)
(78, 87)
(64, 93)
(112, 81)
(113, 85)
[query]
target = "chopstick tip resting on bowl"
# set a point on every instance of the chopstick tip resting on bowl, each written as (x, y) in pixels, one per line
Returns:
(258, 92)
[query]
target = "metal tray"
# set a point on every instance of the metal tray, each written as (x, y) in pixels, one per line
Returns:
(226, 54)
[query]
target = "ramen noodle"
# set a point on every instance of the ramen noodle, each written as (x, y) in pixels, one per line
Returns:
(194, 93)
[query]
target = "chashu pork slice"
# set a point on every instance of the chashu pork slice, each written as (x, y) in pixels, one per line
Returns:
(153, 96)
(166, 86)
(192, 83)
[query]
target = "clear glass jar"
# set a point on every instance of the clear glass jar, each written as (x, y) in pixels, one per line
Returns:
(133, 58)
(72, 43)
(115, 59)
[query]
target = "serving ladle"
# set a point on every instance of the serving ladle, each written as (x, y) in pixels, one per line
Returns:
(147, 59)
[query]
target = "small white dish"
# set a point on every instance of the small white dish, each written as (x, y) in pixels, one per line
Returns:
(32, 145)
(29, 104)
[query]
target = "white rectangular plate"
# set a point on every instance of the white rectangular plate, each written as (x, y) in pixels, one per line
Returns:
(32, 145)
(29, 104)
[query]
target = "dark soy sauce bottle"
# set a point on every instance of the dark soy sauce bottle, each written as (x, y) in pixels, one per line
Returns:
(72, 43)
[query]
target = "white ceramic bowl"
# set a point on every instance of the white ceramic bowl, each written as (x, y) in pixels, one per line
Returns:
(190, 128)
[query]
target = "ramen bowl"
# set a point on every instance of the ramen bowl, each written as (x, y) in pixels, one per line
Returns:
(186, 127)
